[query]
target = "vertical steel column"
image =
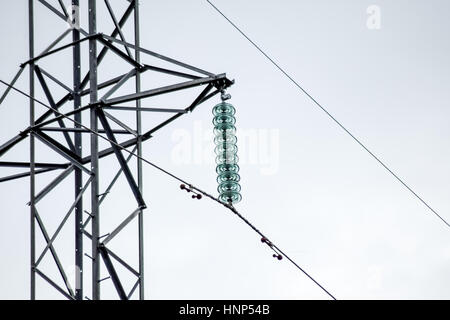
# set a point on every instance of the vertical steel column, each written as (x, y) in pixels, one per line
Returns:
(94, 153)
(78, 151)
(32, 155)
(139, 151)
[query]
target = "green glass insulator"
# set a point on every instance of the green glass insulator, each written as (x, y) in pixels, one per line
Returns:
(228, 186)
(232, 139)
(226, 151)
(233, 197)
(224, 130)
(225, 148)
(227, 158)
(221, 168)
(224, 108)
(228, 176)
(228, 119)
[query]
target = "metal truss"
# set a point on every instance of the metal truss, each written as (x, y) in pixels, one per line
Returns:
(85, 168)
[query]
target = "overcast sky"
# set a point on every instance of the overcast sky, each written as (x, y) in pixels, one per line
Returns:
(305, 183)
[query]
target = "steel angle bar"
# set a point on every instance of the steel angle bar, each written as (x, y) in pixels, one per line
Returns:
(87, 234)
(53, 252)
(62, 85)
(62, 116)
(63, 7)
(53, 184)
(112, 272)
(61, 150)
(105, 84)
(41, 120)
(199, 98)
(137, 40)
(52, 283)
(11, 84)
(121, 159)
(113, 17)
(81, 130)
(78, 174)
(120, 53)
(145, 109)
(134, 288)
(125, 144)
(53, 105)
(36, 165)
(21, 136)
(50, 243)
(119, 84)
(89, 37)
(191, 106)
(49, 112)
(209, 96)
(103, 52)
(159, 56)
(113, 181)
(32, 152)
(171, 72)
(111, 184)
(120, 123)
(12, 142)
(121, 226)
(166, 89)
(54, 43)
(25, 174)
(122, 262)
(59, 14)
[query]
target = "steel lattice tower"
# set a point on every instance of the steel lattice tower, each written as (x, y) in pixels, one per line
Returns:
(85, 169)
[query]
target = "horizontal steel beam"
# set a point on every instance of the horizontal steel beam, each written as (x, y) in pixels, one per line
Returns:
(12, 164)
(167, 89)
(25, 174)
(145, 109)
(81, 130)
(171, 72)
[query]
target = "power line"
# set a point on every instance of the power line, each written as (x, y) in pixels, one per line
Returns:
(330, 115)
(264, 239)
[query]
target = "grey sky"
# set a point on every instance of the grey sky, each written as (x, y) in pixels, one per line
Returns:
(329, 205)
